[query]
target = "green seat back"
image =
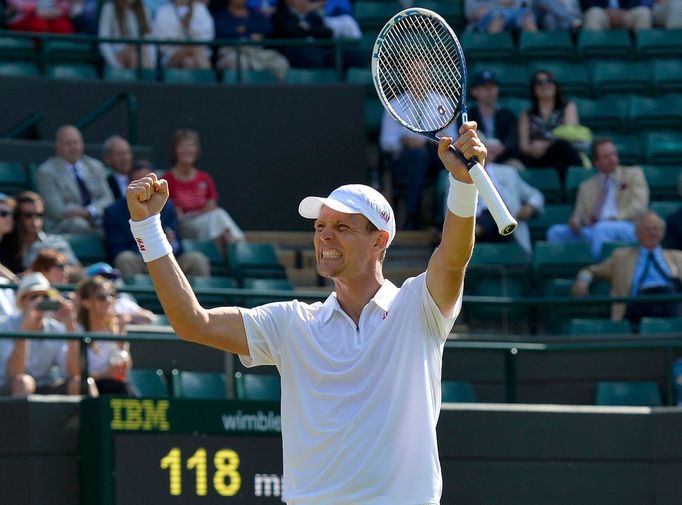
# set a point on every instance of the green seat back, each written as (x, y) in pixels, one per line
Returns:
(147, 382)
(311, 76)
(663, 148)
(205, 385)
(545, 179)
(77, 71)
(628, 393)
(606, 114)
(188, 76)
(13, 177)
(604, 44)
(648, 325)
(573, 77)
(457, 392)
(662, 181)
(88, 249)
(488, 46)
(18, 69)
(555, 213)
(659, 42)
(597, 326)
(555, 45)
(620, 77)
(262, 387)
(657, 113)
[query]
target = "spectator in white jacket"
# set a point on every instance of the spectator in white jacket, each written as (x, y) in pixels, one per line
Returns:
(126, 19)
(184, 20)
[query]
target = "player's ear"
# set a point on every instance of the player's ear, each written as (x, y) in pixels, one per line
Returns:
(381, 240)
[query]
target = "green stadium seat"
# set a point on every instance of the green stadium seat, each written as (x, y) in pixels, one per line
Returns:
(660, 113)
(646, 394)
(210, 249)
(203, 385)
(554, 214)
(148, 382)
(663, 148)
(256, 77)
(76, 71)
(18, 69)
(147, 299)
(88, 248)
(488, 46)
(664, 207)
(548, 45)
(662, 182)
(604, 44)
(188, 76)
(620, 77)
(667, 76)
(248, 259)
(70, 51)
(513, 79)
(657, 325)
(311, 76)
(266, 284)
(457, 392)
(555, 316)
(372, 15)
(17, 49)
(597, 326)
(608, 248)
(559, 260)
(258, 387)
(128, 74)
(362, 77)
(574, 78)
(605, 114)
(547, 180)
(659, 42)
(13, 177)
(574, 177)
(630, 148)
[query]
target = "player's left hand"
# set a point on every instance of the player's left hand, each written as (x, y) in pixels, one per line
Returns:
(469, 145)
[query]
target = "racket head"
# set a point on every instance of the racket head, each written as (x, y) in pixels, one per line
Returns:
(419, 71)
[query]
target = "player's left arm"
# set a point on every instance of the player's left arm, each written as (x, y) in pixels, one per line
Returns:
(445, 273)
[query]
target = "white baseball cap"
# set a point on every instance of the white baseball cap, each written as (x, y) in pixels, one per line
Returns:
(33, 282)
(354, 199)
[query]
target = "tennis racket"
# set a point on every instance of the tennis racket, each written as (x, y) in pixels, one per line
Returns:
(420, 74)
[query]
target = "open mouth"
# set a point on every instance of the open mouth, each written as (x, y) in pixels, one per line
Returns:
(330, 254)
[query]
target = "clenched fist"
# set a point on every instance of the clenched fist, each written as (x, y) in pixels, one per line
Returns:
(146, 197)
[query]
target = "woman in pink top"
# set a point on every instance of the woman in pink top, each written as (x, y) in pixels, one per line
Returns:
(44, 16)
(195, 197)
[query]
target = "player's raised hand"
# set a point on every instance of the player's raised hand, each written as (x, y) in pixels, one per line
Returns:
(146, 196)
(468, 144)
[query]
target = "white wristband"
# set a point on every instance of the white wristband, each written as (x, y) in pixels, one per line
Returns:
(462, 198)
(150, 238)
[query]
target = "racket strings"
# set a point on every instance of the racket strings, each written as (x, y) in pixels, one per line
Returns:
(419, 67)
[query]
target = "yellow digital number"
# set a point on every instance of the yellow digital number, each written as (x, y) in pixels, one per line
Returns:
(198, 462)
(173, 461)
(226, 479)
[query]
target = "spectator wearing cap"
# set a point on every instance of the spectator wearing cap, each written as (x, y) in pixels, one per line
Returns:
(498, 124)
(126, 307)
(42, 366)
(121, 246)
(28, 237)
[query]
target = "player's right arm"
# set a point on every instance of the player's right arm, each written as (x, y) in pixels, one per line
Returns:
(221, 327)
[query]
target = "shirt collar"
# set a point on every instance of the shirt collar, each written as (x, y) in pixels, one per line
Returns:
(381, 299)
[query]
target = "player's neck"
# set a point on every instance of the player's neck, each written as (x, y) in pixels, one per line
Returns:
(354, 295)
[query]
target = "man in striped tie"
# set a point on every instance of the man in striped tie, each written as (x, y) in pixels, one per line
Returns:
(607, 204)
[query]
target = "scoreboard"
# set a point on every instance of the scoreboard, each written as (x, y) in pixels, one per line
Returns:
(180, 452)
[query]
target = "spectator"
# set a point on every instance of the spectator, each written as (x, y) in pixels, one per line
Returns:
(43, 16)
(121, 246)
(108, 360)
(634, 271)
(494, 16)
(28, 237)
(673, 224)
(7, 298)
(338, 16)
(237, 21)
(599, 15)
(119, 157)
(53, 265)
(73, 185)
(43, 366)
(413, 158)
(667, 13)
(498, 124)
(539, 147)
(127, 309)
(558, 14)
(126, 19)
(195, 196)
(184, 20)
(84, 15)
(607, 203)
(294, 19)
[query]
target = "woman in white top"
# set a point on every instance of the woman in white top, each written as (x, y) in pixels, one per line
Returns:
(7, 304)
(184, 20)
(108, 361)
(126, 19)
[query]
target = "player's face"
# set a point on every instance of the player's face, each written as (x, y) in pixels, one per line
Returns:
(343, 246)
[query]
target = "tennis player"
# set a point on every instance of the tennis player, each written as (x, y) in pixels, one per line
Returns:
(361, 371)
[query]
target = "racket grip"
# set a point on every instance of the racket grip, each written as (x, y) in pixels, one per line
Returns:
(506, 223)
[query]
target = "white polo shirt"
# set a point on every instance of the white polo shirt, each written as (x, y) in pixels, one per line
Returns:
(359, 404)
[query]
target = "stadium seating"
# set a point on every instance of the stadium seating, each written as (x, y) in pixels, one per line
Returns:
(258, 387)
(546, 179)
(574, 78)
(664, 207)
(188, 76)
(574, 177)
(615, 44)
(595, 327)
(513, 79)
(663, 148)
(311, 76)
(628, 393)
(77, 71)
(204, 385)
(128, 74)
(17, 49)
(658, 113)
(559, 260)
(619, 76)
(215, 282)
(210, 249)
(554, 317)
(253, 260)
(146, 382)
(480, 46)
(265, 284)
(605, 114)
(18, 69)
(656, 43)
(88, 249)
(553, 214)
(12, 177)
(667, 77)
(662, 182)
(546, 45)
(653, 325)
(457, 392)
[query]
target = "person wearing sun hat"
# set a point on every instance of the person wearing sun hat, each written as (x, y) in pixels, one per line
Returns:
(360, 372)
(29, 364)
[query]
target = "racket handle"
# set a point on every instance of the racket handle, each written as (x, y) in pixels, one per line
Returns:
(506, 224)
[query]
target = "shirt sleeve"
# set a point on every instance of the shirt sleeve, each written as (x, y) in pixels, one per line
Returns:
(265, 326)
(438, 325)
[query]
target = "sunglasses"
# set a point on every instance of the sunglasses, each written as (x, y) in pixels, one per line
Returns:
(34, 296)
(104, 296)
(540, 82)
(32, 215)
(60, 266)
(5, 213)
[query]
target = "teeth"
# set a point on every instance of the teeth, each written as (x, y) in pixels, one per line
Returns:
(331, 255)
